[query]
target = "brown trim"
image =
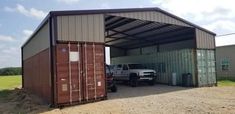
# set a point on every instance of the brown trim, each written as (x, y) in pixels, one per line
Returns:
(76, 42)
(22, 67)
(52, 62)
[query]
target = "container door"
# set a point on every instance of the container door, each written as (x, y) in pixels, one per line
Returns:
(94, 75)
(68, 73)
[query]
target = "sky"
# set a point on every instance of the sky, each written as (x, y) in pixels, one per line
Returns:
(19, 18)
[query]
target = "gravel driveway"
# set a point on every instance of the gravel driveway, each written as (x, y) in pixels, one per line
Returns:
(161, 99)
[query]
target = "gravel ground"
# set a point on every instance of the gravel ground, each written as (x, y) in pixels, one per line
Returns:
(146, 100)
(161, 99)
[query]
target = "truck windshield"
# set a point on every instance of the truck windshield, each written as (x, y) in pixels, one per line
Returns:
(136, 66)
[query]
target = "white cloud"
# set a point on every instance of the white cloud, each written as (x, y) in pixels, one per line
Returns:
(225, 40)
(68, 1)
(199, 9)
(228, 26)
(32, 12)
(105, 6)
(6, 38)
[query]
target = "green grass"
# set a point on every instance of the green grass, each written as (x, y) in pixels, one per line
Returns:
(226, 83)
(9, 82)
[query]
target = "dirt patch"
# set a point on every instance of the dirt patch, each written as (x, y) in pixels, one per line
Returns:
(146, 99)
(20, 101)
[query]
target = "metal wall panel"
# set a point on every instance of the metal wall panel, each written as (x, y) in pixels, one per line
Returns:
(187, 44)
(222, 53)
(204, 40)
(85, 28)
(38, 43)
(165, 63)
(37, 77)
(152, 16)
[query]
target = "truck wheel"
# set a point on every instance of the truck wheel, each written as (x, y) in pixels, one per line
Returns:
(113, 88)
(152, 82)
(133, 80)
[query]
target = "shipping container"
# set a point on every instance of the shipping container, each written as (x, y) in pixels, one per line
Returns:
(80, 72)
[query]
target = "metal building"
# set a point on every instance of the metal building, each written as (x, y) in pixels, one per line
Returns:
(63, 61)
(225, 62)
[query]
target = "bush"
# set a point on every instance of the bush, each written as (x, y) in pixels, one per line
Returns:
(10, 71)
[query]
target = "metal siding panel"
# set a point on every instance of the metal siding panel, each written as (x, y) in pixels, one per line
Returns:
(101, 28)
(59, 27)
(37, 75)
(65, 28)
(38, 43)
(90, 32)
(84, 28)
(78, 32)
(72, 28)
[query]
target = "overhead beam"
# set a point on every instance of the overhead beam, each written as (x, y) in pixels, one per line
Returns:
(183, 31)
(119, 24)
(163, 42)
(132, 28)
(166, 34)
(114, 46)
(108, 18)
(155, 28)
(162, 39)
(128, 37)
(114, 22)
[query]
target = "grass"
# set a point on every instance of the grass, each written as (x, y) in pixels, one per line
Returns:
(9, 82)
(226, 83)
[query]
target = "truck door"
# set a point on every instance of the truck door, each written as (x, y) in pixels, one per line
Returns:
(118, 71)
(125, 72)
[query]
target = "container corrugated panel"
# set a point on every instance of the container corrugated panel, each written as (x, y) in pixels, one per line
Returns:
(165, 63)
(80, 73)
(206, 67)
(37, 75)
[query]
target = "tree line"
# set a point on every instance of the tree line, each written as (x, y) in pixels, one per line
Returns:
(10, 71)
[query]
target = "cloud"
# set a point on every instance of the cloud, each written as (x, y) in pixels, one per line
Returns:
(4, 38)
(105, 6)
(32, 12)
(225, 25)
(68, 1)
(225, 40)
(199, 9)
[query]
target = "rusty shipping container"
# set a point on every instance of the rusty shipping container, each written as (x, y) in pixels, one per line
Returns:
(80, 72)
(66, 66)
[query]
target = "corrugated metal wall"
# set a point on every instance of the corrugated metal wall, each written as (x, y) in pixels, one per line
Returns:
(225, 53)
(205, 40)
(38, 43)
(187, 44)
(165, 63)
(152, 16)
(87, 28)
(206, 67)
(37, 75)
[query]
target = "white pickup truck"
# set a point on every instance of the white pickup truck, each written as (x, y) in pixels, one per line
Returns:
(134, 73)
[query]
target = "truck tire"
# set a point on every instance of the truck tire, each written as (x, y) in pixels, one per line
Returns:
(113, 88)
(152, 82)
(133, 80)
